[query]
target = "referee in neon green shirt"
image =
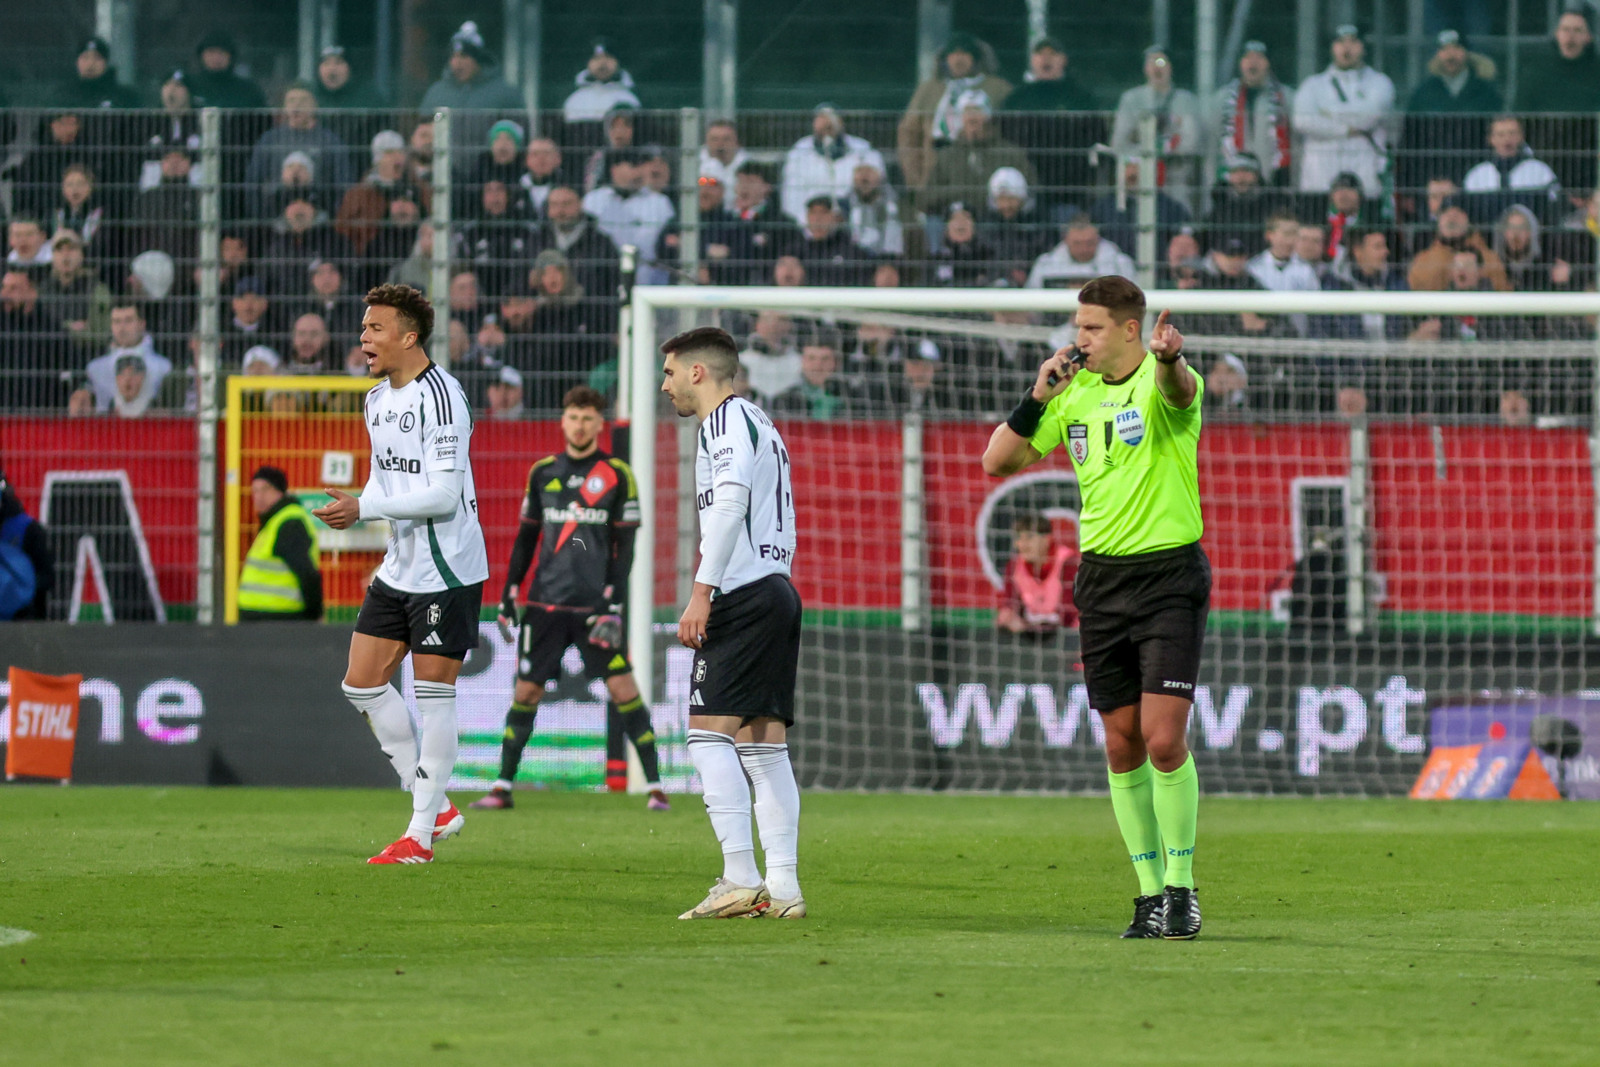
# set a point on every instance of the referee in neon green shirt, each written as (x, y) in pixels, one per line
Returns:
(1130, 419)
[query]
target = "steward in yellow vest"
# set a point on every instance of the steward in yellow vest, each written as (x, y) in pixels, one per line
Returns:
(281, 578)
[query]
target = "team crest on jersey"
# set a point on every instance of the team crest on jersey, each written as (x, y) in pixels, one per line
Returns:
(595, 486)
(1078, 442)
(434, 614)
(1130, 426)
(407, 421)
(390, 417)
(574, 481)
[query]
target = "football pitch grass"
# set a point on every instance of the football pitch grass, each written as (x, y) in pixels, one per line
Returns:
(241, 926)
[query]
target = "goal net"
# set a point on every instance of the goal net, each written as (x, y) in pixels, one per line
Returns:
(1399, 497)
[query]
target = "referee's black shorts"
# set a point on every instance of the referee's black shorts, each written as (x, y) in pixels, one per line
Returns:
(1141, 622)
(748, 661)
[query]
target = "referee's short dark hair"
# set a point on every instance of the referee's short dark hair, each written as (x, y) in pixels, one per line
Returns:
(710, 346)
(1117, 295)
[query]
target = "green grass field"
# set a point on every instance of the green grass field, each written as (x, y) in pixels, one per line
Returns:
(241, 926)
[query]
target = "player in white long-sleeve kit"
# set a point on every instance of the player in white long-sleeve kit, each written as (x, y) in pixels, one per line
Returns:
(426, 595)
(743, 621)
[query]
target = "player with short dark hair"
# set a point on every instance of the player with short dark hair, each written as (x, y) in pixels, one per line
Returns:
(425, 597)
(1130, 418)
(743, 621)
(580, 516)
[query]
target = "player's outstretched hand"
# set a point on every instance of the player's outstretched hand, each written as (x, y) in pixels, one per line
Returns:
(1059, 366)
(1165, 340)
(343, 512)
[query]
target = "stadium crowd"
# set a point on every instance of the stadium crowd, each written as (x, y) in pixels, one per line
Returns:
(1339, 183)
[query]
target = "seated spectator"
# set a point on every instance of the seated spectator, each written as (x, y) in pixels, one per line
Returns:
(1226, 267)
(772, 233)
(1346, 207)
(419, 152)
(920, 386)
(1117, 213)
(1467, 276)
(1531, 265)
(656, 170)
(1511, 175)
(1445, 116)
(567, 339)
(26, 238)
(720, 234)
(541, 173)
(568, 229)
(872, 212)
(35, 354)
(826, 249)
(624, 209)
(385, 199)
(504, 395)
(503, 163)
(1177, 114)
(492, 240)
(350, 103)
(251, 323)
(1431, 268)
(886, 275)
(961, 169)
(1561, 85)
(824, 164)
(1251, 115)
(822, 392)
(1037, 599)
(36, 181)
(933, 118)
(260, 361)
(299, 130)
(618, 126)
(1011, 226)
(1227, 394)
(83, 210)
(299, 236)
(1081, 255)
(771, 356)
(216, 82)
(876, 354)
(1053, 116)
(1342, 116)
(1312, 248)
(1240, 205)
(1180, 267)
(787, 271)
(1366, 268)
(601, 85)
(466, 299)
(1417, 231)
(94, 85)
(474, 91)
(175, 129)
(310, 346)
(721, 157)
(161, 212)
(75, 295)
(127, 378)
(332, 299)
(1279, 270)
(962, 258)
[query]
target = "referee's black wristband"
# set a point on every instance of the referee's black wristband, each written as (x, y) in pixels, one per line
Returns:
(1168, 362)
(1024, 421)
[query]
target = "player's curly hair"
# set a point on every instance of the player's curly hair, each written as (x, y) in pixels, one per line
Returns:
(583, 396)
(416, 314)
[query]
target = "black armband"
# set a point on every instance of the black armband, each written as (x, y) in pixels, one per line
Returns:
(1024, 421)
(1168, 362)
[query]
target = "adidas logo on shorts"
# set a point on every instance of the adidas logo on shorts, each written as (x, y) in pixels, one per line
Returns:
(432, 639)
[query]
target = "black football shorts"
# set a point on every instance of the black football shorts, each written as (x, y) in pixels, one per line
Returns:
(1142, 620)
(747, 664)
(435, 624)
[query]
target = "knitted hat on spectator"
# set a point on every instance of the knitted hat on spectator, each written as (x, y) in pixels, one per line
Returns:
(1451, 39)
(962, 42)
(469, 42)
(924, 349)
(249, 284)
(973, 98)
(66, 237)
(514, 129)
(155, 271)
(552, 258)
(129, 362)
(1255, 46)
(217, 39)
(301, 158)
(1349, 29)
(601, 46)
(386, 141)
(1345, 180)
(508, 376)
(1008, 181)
(1048, 42)
(96, 44)
(261, 354)
(273, 477)
(1244, 161)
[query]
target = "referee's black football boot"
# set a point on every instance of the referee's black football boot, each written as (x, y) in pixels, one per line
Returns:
(1147, 913)
(1180, 918)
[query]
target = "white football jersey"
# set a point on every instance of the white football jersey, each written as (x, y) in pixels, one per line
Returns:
(423, 427)
(738, 445)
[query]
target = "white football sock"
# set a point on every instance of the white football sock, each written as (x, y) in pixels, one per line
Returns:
(727, 802)
(390, 721)
(436, 703)
(777, 809)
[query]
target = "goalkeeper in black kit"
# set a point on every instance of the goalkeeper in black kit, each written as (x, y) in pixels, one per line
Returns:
(579, 517)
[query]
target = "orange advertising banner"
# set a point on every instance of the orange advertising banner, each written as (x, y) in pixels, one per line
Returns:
(44, 724)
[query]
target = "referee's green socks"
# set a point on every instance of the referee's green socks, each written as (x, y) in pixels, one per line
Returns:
(1133, 803)
(1177, 803)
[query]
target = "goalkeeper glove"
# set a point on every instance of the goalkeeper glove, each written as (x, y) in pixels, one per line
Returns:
(605, 630)
(506, 613)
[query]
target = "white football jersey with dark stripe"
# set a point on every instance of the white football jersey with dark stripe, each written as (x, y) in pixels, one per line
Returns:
(421, 428)
(738, 445)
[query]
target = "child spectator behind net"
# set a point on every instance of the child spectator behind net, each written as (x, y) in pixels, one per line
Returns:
(1038, 581)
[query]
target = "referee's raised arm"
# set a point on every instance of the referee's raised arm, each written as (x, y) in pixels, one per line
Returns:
(1009, 450)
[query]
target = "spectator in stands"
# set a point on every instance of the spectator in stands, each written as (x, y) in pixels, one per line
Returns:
(1279, 270)
(472, 88)
(95, 85)
(1177, 114)
(1562, 80)
(619, 128)
(33, 355)
(1445, 116)
(1227, 393)
(503, 163)
(722, 259)
(1037, 598)
(1011, 227)
(826, 249)
(824, 163)
(337, 303)
(37, 181)
(568, 337)
(1053, 116)
(1226, 267)
(656, 170)
(1081, 255)
(419, 158)
(961, 169)
(261, 361)
(1418, 231)
(235, 261)
(160, 213)
(250, 324)
(127, 378)
(1511, 175)
(1366, 268)
(310, 346)
(386, 199)
(933, 118)
(218, 82)
(771, 356)
(1117, 213)
(175, 129)
(624, 209)
(300, 235)
(577, 235)
(1312, 248)
(963, 258)
(300, 131)
(75, 295)
(886, 275)
(772, 232)
(788, 271)
(504, 395)
(541, 172)
(872, 212)
(602, 85)
(1467, 276)
(822, 392)
(1346, 207)
(1430, 269)
(416, 270)
(1180, 267)
(1342, 114)
(493, 241)
(466, 299)
(1240, 205)
(1252, 116)
(877, 352)
(721, 157)
(82, 210)
(26, 242)
(1531, 265)
(921, 386)
(349, 104)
